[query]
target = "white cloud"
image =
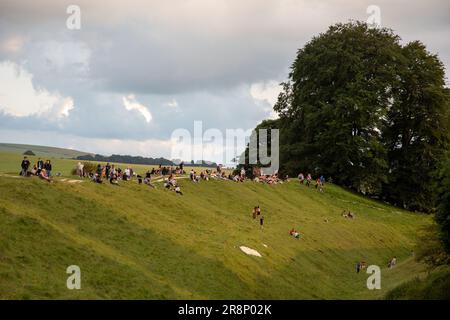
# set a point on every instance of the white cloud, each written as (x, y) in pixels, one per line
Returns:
(266, 95)
(173, 103)
(131, 103)
(65, 107)
(19, 97)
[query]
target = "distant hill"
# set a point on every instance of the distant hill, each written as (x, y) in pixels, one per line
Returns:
(142, 160)
(126, 159)
(42, 151)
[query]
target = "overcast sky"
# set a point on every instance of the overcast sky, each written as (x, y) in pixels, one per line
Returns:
(137, 70)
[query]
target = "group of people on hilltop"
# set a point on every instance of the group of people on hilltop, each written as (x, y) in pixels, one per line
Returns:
(320, 181)
(41, 169)
(171, 184)
(106, 172)
(269, 179)
(115, 174)
(209, 174)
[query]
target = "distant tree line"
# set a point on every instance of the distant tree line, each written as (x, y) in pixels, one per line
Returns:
(140, 160)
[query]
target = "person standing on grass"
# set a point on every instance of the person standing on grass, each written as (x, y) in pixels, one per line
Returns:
(25, 165)
(40, 165)
(242, 173)
(308, 179)
(254, 213)
(108, 170)
(80, 168)
(48, 168)
(261, 221)
(301, 178)
(322, 180)
(43, 175)
(99, 170)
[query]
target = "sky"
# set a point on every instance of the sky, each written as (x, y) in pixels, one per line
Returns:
(135, 71)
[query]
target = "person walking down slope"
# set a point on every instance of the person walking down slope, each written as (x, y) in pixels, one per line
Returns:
(358, 267)
(24, 165)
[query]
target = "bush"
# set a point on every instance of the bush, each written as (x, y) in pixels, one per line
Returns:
(436, 286)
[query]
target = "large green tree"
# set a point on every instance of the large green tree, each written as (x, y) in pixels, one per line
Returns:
(416, 128)
(338, 92)
(371, 113)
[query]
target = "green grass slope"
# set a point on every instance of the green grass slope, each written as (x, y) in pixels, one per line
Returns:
(135, 242)
(41, 151)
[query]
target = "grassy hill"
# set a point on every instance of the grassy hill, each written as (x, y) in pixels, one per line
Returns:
(41, 151)
(135, 242)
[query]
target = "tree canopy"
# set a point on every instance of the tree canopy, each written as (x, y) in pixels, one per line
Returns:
(368, 111)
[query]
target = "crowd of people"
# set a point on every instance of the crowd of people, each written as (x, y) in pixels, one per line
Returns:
(320, 181)
(41, 169)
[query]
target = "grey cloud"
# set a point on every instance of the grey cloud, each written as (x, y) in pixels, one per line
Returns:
(205, 54)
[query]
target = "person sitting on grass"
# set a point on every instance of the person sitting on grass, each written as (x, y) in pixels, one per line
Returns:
(95, 177)
(43, 175)
(34, 171)
(363, 265)
(348, 215)
(113, 179)
(294, 233)
(178, 190)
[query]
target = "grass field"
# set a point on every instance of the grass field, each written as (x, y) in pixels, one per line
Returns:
(135, 242)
